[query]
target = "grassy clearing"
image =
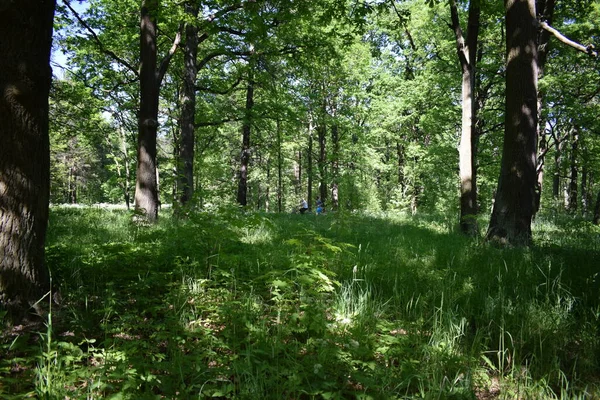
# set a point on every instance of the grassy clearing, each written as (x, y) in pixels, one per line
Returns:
(252, 306)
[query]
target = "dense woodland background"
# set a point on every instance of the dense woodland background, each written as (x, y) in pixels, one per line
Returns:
(358, 103)
(183, 136)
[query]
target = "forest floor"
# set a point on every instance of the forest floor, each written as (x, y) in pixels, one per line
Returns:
(273, 306)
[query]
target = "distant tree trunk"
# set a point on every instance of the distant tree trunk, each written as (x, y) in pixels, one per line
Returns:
(72, 183)
(25, 42)
(510, 222)
(467, 54)
(335, 163)
(268, 188)
(185, 163)
(123, 176)
(545, 11)
(245, 154)
(322, 161)
(597, 210)
(298, 174)
(584, 190)
(126, 184)
(146, 187)
(557, 168)
(309, 165)
(400, 154)
(279, 169)
(572, 193)
(543, 150)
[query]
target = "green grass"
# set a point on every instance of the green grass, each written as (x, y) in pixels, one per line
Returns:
(257, 306)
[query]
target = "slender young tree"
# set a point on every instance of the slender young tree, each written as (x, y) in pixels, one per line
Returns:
(26, 38)
(466, 49)
(242, 192)
(514, 205)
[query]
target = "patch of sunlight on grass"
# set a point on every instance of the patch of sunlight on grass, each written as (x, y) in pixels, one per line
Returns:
(256, 235)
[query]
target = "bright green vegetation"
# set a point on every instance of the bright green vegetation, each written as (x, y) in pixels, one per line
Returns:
(276, 306)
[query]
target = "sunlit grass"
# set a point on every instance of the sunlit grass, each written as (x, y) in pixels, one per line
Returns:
(233, 305)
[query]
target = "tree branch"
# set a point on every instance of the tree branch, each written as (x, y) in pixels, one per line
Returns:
(223, 92)
(99, 42)
(215, 123)
(164, 64)
(461, 46)
(589, 49)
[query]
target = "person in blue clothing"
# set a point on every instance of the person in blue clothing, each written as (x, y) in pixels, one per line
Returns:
(320, 206)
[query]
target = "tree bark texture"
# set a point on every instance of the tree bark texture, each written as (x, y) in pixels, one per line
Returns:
(584, 190)
(597, 210)
(146, 187)
(557, 168)
(514, 205)
(188, 107)
(309, 166)
(574, 175)
(467, 55)
(335, 167)
(25, 76)
(279, 169)
(245, 154)
(322, 161)
(400, 155)
(545, 12)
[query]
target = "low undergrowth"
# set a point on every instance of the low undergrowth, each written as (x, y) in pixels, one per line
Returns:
(260, 306)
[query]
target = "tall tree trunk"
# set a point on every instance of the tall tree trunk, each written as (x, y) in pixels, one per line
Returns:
(322, 161)
(335, 164)
(400, 155)
(72, 183)
(584, 190)
(279, 169)
(467, 54)
(545, 11)
(309, 166)
(127, 177)
(597, 210)
(25, 42)
(510, 222)
(268, 188)
(541, 159)
(185, 163)
(573, 189)
(146, 187)
(557, 168)
(245, 154)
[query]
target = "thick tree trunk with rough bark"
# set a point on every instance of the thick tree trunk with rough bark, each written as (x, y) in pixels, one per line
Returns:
(185, 163)
(25, 76)
(146, 187)
(514, 205)
(467, 55)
